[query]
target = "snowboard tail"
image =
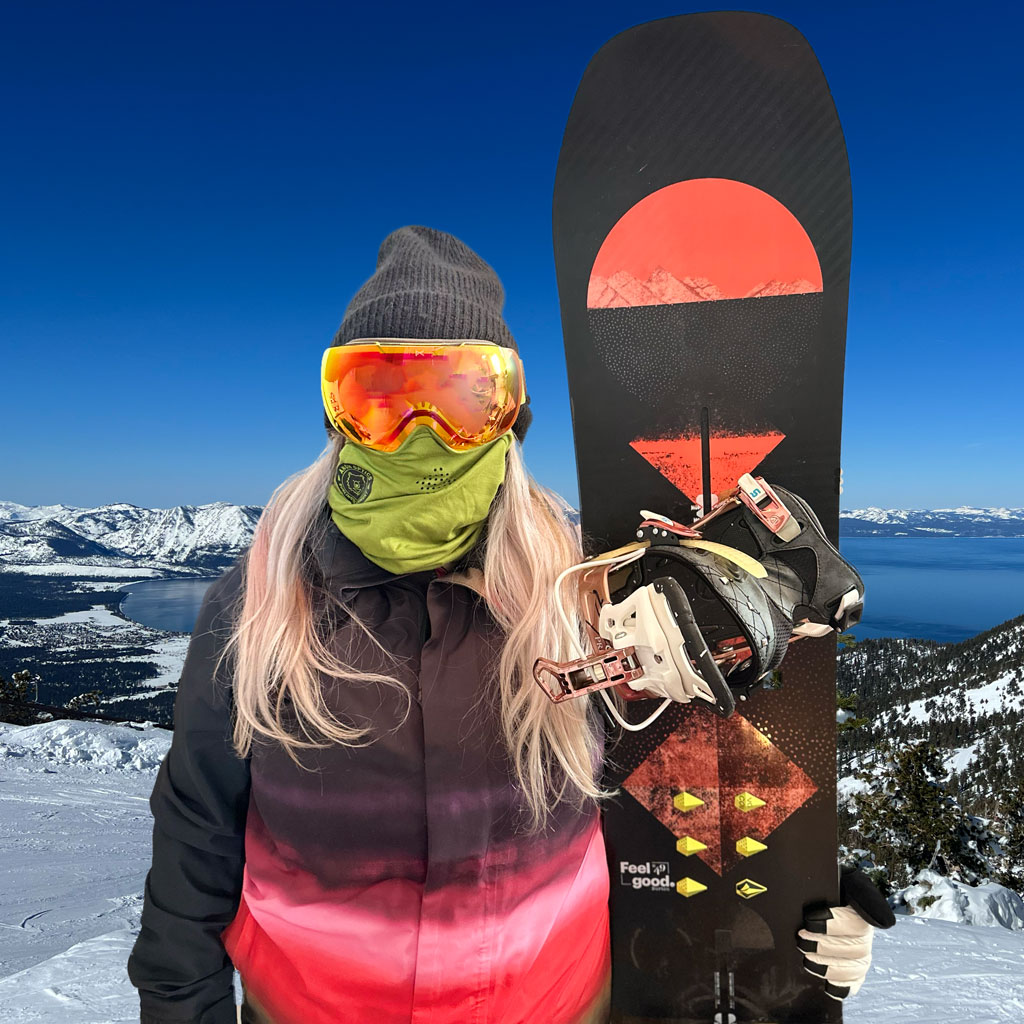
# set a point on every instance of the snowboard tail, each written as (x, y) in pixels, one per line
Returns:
(702, 221)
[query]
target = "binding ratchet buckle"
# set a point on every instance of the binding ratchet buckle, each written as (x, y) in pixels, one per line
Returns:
(659, 529)
(758, 496)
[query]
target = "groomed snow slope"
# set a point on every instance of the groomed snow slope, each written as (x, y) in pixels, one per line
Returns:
(75, 834)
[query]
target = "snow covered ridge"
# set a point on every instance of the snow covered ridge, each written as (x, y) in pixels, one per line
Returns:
(990, 905)
(138, 747)
(964, 521)
(207, 537)
(210, 537)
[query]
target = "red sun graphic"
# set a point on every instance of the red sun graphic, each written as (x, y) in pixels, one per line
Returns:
(702, 240)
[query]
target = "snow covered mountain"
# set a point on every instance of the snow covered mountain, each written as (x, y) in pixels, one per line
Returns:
(965, 699)
(205, 537)
(963, 521)
(209, 537)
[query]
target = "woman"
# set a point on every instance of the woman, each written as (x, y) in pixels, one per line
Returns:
(368, 806)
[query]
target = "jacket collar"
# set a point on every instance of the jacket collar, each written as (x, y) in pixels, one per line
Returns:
(344, 566)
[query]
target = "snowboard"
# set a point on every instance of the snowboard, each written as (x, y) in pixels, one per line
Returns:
(702, 229)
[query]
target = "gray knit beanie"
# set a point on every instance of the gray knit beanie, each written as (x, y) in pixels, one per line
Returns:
(428, 284)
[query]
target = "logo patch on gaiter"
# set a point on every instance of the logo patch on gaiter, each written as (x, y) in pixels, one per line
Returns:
(354, 482)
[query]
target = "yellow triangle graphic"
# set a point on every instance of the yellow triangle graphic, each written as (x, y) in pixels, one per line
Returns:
(689, 887)
(747, 847)
(686, 801)
(688, 846)
(748, 802)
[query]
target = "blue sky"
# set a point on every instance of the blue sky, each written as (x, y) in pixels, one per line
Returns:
(192, 192)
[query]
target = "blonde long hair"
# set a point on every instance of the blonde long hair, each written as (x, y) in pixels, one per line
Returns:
(278, 651)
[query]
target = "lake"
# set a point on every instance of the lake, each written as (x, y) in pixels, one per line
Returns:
(166, 604)
(939, 588)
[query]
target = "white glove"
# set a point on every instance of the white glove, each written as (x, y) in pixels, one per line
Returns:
(836, 941)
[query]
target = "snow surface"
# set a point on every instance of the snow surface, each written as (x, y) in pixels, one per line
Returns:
(937, 972)
(943, 899)
(169, 657)
(139, 748)
(987, 697)
(75, 846)
(89, 586)
(99, 617)
(848, 786)
(75, 569)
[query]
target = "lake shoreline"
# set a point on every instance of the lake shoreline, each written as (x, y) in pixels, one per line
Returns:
(171, 614)
(946, 590)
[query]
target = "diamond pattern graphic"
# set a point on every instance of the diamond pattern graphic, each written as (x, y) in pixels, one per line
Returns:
(717, 760)
(678, 458)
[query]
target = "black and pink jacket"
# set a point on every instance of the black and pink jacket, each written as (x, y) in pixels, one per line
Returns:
(385, 883)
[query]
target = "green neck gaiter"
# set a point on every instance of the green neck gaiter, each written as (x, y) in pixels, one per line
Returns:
(419, 507)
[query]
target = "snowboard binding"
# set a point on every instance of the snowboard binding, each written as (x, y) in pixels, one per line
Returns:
(808, 579)
(706, 612)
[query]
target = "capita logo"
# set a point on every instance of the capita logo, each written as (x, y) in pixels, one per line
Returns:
(651, 874)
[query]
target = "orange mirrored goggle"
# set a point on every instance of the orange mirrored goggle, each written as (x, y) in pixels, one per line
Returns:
(377, 391)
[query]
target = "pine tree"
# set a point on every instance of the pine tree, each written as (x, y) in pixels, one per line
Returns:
(910, 821)
(846, 717)
(17, 688)
(14, 706)
(79, 702)
(1012, 815)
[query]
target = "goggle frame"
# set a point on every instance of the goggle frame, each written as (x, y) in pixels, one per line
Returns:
(446, 425)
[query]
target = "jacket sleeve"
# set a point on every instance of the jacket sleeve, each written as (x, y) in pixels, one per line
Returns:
(199, 802)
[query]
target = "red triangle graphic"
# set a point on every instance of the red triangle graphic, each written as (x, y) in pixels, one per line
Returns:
(678, 458)
(716, 760)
